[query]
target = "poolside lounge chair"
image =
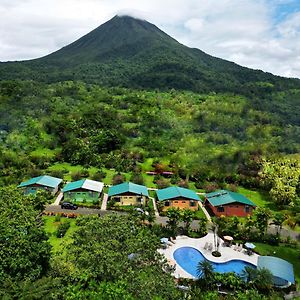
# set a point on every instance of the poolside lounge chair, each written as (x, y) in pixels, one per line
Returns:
(205, 246)
(235, 248)
(172, 240)
(240, 248)
(210, 247)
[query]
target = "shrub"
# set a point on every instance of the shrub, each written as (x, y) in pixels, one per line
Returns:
(57, 173)
(118, 178)
(99, 175)
(210, 187)
(162, 183)
(57, 218)
(199, 185)
(232, 187)
(62, 229)
(183, 183)
(137, 178)
(76, 175)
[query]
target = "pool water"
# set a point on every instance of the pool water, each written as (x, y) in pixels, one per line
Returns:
(188, 258)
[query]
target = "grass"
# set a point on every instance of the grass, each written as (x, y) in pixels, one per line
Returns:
(260, 198)
(283, 251)
(199, 214)
(44, 152)
(50, 226)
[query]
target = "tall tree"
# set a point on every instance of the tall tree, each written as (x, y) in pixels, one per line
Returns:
(262, 216)
(24, 249)
(187, 217)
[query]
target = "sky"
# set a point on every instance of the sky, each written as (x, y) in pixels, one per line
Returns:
(259, 34)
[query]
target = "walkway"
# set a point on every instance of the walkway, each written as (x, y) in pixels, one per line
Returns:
(205, 211)
(58, 199)
(154, 207)
(104, 202)
(228, 253)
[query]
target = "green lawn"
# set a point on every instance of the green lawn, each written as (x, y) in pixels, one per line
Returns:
(260, 198)
(282, 251)
(58, 244)
(199, 213)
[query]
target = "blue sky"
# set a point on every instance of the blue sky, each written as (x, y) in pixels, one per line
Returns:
(284, 8)
(260, 34)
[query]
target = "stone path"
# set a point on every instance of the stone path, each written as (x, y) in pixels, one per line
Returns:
(104, 202)
(205, 212)
(155, 207)
(58, 199)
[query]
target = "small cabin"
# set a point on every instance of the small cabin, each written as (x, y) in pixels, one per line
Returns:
(45, 182)
(128, 193)
(84, 190)
(227, 203)
(178, 197)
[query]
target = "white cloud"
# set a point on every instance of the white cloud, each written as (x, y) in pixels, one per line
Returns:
(244, 31)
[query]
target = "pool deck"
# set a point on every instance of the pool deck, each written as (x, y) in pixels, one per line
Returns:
(228, 253)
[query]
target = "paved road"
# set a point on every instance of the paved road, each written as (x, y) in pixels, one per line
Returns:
(80, 210)
(285, 232)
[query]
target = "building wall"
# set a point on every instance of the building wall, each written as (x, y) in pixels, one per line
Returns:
(180, 203)
(235, 209)
(82, 195)
(31, 189)
(129, 199)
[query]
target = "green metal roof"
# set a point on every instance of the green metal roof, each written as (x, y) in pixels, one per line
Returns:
(128, 187)
(44, 180)
(175, 192)
(87, 184)
(282, 271)
(223, 197)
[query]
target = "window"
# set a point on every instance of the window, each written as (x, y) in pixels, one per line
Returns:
(247, 209)
(182, 201)
(192, 203)
(167, 203)
(175, 201)
(220, 209)
(117, 199)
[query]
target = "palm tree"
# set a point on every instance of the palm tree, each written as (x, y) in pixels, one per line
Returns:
(261, 279)
(205, 273)
(214, 228)
(264, 279)
(249, 273)
(173, 215)
(150, 216)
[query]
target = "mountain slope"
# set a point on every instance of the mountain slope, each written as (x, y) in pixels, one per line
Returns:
(134, 53)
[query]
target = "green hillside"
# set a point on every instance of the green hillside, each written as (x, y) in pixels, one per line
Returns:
(133, 53)
(202, 136)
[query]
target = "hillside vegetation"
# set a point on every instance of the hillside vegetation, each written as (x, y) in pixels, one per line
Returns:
(202, 136)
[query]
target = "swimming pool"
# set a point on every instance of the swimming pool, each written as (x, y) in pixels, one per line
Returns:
(188, 258)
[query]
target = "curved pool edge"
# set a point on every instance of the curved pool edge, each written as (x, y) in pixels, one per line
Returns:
(198, 244)
(187, 258)
(212, 261)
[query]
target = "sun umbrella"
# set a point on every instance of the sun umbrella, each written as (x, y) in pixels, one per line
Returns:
(250, 246)
(164, 240)
(228, 238)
